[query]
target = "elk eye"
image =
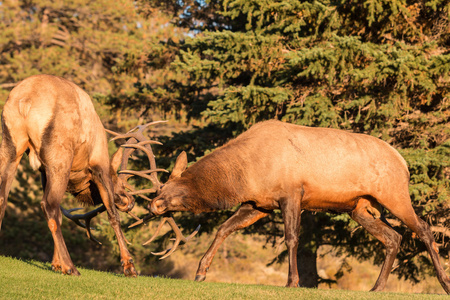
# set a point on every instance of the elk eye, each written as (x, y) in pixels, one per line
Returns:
(161, 186)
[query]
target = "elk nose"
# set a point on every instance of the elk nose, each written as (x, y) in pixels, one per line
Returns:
(155, 207)
(125, 204)
(130, 205)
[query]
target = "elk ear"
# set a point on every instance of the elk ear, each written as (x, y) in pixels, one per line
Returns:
(116, 159)
(180, 165)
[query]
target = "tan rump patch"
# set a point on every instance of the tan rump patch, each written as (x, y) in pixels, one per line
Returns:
(52, 225)
(35, 163)
(24, 107)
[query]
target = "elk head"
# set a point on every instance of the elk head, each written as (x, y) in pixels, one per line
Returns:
(157, 187)
(122, 199)
(123, 191)
(172, 198)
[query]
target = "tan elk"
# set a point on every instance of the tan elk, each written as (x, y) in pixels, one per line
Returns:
(276, 165)
(56, 122)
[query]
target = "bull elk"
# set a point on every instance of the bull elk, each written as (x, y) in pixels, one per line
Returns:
(55, 121)
(275, 165)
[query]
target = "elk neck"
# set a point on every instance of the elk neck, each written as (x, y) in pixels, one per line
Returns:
(216, 182)
(83, 189)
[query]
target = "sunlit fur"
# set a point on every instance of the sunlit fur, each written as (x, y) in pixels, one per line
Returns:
(55, 122)
(277, 165)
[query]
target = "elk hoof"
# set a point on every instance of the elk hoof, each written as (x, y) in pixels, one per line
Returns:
(72, 271)
(131, 272)
(56, 268)
(128, 268)
(200, 278)
(130, 261)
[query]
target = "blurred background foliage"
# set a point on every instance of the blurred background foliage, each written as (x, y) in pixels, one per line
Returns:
(213, 69)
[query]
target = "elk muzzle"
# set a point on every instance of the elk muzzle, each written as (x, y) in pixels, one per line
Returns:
(124, 203)
(157, 207)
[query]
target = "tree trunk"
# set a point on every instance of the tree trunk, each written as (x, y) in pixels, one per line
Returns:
(307, 252)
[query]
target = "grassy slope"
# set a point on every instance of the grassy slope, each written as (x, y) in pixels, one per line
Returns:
(35, 280)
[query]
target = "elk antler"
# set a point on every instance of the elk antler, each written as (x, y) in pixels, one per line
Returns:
(179, 236)
(137, 140)
(87, 217)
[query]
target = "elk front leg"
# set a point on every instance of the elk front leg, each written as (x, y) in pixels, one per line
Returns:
(105, 187)
(291, 211)
(53, 194)
(56, 262)
(245, 216)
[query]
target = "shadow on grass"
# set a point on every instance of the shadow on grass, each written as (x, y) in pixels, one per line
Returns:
(40, 265)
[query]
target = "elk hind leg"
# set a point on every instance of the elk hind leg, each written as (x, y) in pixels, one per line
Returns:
(10, 156)
(291, 211)
(407, 215)
(245, 216)
(8, 171)
(56, 180)
(368, 214)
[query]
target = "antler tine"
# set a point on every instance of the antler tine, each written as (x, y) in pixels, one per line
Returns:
(148, 151)
(141, 128)
(141, 145)
(146, 191)
(111, 132)
(164, 220)
(144, 174)
(139, 141)
(87, 217)
(132, 132)
(142, 221)
(178, 239)
(133, 215)
(133, 192)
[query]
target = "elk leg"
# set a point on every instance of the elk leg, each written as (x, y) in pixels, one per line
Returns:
(55, 187)
(291, 211)
(56, 262)
(368, 214)
(407, 215)
(8, 167)
(105, 186)
(11, 153)
(245, 216)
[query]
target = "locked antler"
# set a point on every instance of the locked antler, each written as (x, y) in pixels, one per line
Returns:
(87, 217)
(179, 236)
(144, 145)
(135, 140)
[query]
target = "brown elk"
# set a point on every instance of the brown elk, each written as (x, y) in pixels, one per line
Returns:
(275, 165)
(56, 122)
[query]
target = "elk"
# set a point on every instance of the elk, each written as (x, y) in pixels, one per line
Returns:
(54, 120)
(276, 165)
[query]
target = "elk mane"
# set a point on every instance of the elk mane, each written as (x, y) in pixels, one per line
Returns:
(219, 177)
(90, 196)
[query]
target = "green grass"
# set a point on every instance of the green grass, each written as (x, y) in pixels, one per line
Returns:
(35, 280)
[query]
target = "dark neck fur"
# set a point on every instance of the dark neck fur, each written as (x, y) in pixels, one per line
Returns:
(214, 183)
